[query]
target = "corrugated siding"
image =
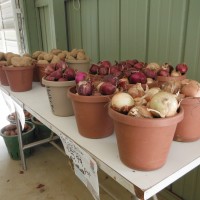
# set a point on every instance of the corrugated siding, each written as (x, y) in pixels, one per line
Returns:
(8, 39)
(157, 30)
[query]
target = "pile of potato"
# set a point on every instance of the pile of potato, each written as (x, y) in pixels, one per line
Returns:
(11, 129)
(15, 60)
(41, 57)
(57, 55)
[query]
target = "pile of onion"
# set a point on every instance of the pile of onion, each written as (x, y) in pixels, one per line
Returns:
(190, 88)
(151, 103)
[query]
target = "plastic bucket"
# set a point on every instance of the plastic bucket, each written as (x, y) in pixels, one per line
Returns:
(12, 143)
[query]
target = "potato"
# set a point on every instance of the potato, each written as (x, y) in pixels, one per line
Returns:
(48, 57)
(56, 51)
(43, 62)
(61, 56)
(36, 54)
(66, 53)
(74, 53)
(9, 56)
(21, 61)
(2, 56)
(55, 59)
(81, 50)
(41, 56)
(80, 56)
(70, 58)
(27, 55)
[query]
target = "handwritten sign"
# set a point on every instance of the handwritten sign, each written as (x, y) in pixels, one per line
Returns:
(85, 166)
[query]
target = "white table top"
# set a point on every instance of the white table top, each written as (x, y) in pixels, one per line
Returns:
(182, 158)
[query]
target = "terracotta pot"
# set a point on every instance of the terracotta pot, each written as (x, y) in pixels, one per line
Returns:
(40, 69)
(57, 93)
(91, 113)
(79, 65)
(36, 77)
(20, 78)
(143, 143)
(3, 77)
(188, 129)
(163, 79)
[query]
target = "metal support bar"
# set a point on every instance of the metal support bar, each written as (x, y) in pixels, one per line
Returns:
(20, 143)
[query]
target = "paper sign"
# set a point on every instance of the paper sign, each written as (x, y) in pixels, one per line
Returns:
(85, 166)
(20, 114)
(8, 101)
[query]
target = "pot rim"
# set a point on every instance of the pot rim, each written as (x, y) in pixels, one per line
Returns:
(190, 100)
(170, 78)
(77, 61)
(57, 83)
(12, 68)
(87, 99)
(9, 136)
(146, 122)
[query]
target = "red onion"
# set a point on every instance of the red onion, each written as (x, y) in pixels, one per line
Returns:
(167, 67)
(50, 78)
(163, 72)
(94, 69)
(61, 65)
(69, 74)
(132, 62)
(80, 76)
(115, 71)
(182, 68)
(49, 69)
(111, 78)
(137, 77)
(107, 88)
(103, 70)
(150, 73)
(105, 63)
(62, 79)
(84, 88)
(139, 65)
(122, 102)
(57, 74)
(123, 83)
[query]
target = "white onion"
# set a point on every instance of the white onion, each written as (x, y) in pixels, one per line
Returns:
(122, 102)
(151, 92)
(191, 88)
(163, 104)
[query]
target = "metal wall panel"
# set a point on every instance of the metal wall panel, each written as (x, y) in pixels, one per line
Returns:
(151, 31)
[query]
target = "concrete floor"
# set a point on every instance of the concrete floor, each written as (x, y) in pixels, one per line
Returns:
(48, 176)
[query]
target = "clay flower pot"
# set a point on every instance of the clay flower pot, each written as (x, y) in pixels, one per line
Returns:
(189, 128)
(20, 78)
(91, 113)
(143, 143)
(40, 68)
(57, 92)
(3, 77)
(79, 65)
(163, 79)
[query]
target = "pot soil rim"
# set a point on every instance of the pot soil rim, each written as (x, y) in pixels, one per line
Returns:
(190, 100)
(171, 78)
(78, 61)
(11, 136)
(57, 83)
(12, 68)
(146, 122)
(87, 99)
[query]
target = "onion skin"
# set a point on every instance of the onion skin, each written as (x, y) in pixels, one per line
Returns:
(122, 102)
(163, 72)
(94, 69)
(107, 88)
(137, 77)
(140, 112)
(182, 68)
(84, 88)
(164, 103)
(191, 89)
